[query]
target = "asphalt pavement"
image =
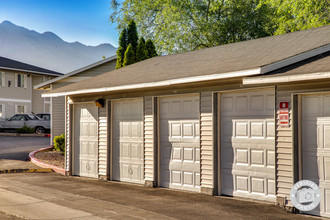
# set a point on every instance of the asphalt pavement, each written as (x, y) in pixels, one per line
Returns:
(14, 151)
(53, 196)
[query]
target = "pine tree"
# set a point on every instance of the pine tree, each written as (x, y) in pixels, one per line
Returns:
(123, 39)
(141, 50)
(151, 49)
(132, 35)
(129, 56)
(120, 57)
(122, 48)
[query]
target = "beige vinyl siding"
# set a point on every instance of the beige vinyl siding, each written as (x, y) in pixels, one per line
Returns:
(206, 139)
(148, 139)
(284, 149)
(102, 138)
(37, 100)
(106, 67)
(57, 116)
(14, 92)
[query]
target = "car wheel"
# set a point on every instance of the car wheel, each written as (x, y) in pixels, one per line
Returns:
(39, 130)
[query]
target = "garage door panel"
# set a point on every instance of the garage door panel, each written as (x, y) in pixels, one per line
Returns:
(188, 179)
(128, 148)
(270, 158)
(179, 137)
(315, 146)
(258, 185)
(86, 140)
(241, 183)
(248, 144)
(326, 168)
(271, 187)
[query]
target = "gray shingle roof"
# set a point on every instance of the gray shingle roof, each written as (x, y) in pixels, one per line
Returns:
(222, 59)
(10, 64)
(317, 64)
(314, 68)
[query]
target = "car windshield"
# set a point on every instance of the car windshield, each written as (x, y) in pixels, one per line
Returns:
(32, 117)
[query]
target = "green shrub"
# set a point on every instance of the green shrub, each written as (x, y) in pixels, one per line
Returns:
(25, 129)
(59, 143)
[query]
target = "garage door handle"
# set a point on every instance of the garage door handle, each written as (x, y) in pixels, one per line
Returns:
(130, 171)
(87, 167)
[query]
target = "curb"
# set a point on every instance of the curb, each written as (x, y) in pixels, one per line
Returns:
(43, 164)
(42, 170)
(21, 135)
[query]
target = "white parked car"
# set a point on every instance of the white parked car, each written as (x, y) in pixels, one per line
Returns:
(30, 120)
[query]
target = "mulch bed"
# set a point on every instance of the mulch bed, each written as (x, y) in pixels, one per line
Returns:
(51, 157)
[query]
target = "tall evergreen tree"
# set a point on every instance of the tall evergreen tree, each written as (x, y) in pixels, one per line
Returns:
(151, 49)
(141, 51)
(129, 56)
(123, 39)
(122, 48)
(120, 57)
(132, 35)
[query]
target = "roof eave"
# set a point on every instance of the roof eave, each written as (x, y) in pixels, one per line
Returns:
(286, 79)
(30, 71)
(178, 81)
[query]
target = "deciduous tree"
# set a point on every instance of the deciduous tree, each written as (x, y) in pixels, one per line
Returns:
(295, 15)
(184, 25)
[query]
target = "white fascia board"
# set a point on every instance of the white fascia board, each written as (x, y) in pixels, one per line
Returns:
(161, 83)
(40, 85)
(29, 71)
(294, 59)
(286, 79)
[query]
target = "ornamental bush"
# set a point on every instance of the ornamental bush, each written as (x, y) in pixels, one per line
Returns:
(59, 143)
(25, 130)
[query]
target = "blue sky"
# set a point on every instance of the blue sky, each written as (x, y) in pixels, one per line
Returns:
(86, 21)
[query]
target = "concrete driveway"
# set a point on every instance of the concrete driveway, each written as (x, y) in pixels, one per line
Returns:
(14, 151)
(52, 196)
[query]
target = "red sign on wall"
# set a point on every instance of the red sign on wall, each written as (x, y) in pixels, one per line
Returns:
(284, 114)
(284, 105)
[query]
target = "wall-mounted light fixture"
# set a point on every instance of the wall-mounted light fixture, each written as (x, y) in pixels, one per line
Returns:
(99, 102)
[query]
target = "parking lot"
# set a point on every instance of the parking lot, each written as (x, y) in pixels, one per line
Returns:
(14, 151)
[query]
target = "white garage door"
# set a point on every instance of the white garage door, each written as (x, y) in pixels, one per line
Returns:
(248, 144)
(86, 140)
(179, 143)
(316, 146)
(128, 141)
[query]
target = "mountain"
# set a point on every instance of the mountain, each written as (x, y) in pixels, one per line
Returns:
(47, 50)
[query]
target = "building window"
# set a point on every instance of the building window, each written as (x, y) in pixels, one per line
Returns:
(2, 111)
(21, 80)
(20, 109)
(2, 79)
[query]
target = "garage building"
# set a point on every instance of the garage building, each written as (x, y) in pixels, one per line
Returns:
(226, 120)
